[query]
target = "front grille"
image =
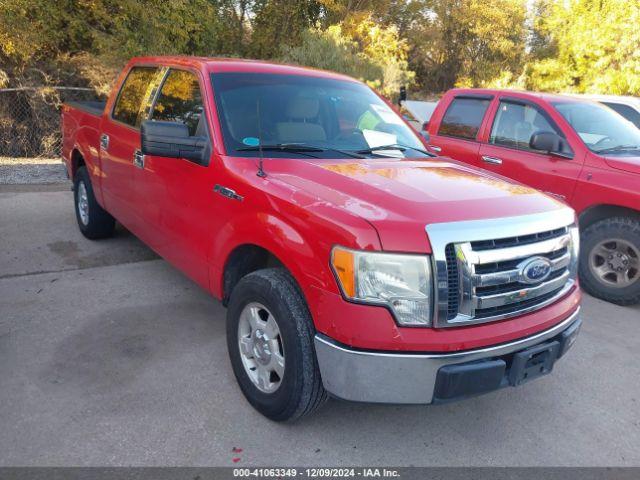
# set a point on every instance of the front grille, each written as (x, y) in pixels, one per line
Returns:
(515, 307)
(519, 240)
(513, 286)
(487, 278)
(452, 281)
(511, 264)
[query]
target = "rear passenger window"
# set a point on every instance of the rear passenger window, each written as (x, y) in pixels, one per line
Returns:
(132, 95)
(180, 101)
(464, 117)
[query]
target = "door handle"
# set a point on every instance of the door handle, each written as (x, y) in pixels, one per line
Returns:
(104, 141)
(138, 159)
(492, 160)
(435, 148)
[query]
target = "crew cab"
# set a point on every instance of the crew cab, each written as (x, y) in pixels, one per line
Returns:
(578, 150)
(351, 261)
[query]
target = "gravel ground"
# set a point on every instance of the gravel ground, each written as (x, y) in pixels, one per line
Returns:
(19, 171)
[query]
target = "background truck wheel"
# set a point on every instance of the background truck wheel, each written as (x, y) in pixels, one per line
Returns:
(94, 222)
(610, 260)
(270, 341)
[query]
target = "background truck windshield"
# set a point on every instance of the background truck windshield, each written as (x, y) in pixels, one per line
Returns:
(274, 109)
(602, 130)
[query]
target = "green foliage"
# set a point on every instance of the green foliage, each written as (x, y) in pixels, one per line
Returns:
(363, 50)
(553, 45)
(463, 42)
(587, 46)
(279, 22)
(331, 49)
(51, 35)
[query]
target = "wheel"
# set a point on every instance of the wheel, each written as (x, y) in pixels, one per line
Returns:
(94, 222)
(270, 341)
(610, 260)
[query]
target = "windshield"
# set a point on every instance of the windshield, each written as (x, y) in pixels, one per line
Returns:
(338, 118)
(602, 129)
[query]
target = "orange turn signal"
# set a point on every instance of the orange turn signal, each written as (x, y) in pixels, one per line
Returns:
(343, 265)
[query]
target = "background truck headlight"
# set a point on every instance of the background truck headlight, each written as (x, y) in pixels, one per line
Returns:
(400, 282)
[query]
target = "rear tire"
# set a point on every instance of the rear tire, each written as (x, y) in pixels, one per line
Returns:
(94, 221)
(610, 260)
(282, 318)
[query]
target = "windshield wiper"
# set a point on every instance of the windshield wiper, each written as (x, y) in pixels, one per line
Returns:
(619, 148)
(395, 146)
(281, 147)
(298, 148)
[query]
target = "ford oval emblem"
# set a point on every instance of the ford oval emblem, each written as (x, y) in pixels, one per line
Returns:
(534, 270)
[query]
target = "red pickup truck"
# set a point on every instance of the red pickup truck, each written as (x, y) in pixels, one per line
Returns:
(578, 150)
(352, 262)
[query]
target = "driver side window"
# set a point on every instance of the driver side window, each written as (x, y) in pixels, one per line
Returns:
(180, 101)
(515, 123)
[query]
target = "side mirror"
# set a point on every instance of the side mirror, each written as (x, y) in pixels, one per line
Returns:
(425, 131)
(171, 139)
(549, 142)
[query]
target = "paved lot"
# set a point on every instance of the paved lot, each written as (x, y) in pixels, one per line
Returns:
(109, 356)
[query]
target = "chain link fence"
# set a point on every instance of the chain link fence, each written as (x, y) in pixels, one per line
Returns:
(30, 119)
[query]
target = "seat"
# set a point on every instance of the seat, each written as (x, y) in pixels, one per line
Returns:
(300, 127)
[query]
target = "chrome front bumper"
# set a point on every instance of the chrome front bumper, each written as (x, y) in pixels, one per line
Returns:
(366, 376)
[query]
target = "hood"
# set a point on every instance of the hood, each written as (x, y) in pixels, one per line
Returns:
(625, 163)
(400, 197)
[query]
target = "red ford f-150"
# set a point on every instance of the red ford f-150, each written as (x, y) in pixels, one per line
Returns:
(352, 262)
(573, 148)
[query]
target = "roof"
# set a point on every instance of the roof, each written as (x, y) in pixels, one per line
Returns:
(548, 97)
(213, 64)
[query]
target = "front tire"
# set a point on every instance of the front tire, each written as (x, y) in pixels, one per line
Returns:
(270, 341)
(94, 221)
(610, 260)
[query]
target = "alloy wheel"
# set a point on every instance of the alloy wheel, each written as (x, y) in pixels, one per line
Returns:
(615, 262)
(83, 203)
(261, 347)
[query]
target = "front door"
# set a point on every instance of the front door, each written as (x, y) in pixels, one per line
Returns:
(176, 194)
(508, 153)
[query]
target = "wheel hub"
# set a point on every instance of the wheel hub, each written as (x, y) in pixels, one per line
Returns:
(261, 347)
(619, 262)
(615, 262)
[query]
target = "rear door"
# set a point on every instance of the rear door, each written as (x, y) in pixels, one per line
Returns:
(507, 151)
(457, 133)
(120, 140)
(176, 194)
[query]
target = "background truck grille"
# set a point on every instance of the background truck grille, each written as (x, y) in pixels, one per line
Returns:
(486, 281)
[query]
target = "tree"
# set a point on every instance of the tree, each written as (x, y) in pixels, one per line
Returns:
(364, 49)
(281, 22)
(588, 46)
(464, 42)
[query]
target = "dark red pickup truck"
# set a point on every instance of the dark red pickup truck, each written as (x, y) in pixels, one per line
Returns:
(352, 262)
(578, 150)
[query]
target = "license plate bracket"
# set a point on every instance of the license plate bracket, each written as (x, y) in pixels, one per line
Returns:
(533, 362)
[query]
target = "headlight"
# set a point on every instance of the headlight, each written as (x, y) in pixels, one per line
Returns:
(400, 282)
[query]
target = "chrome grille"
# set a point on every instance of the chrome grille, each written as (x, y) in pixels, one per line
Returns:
(481, 276)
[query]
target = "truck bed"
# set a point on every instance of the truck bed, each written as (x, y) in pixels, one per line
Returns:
(91, 107)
